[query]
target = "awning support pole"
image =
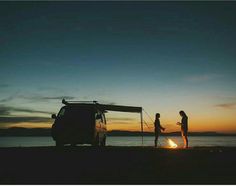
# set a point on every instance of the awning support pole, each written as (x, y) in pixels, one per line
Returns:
(141, 115)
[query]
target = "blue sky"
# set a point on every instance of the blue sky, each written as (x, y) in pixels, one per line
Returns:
(164, 56)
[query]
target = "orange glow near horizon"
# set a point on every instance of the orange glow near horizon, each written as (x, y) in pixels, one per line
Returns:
(30, 125)
(197, 125)
(209, 126)
(221, 123)
(193, 127)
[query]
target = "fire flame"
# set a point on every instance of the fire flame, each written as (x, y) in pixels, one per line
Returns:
(172, 144)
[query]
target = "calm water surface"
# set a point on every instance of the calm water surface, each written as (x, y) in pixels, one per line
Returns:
(124, 141)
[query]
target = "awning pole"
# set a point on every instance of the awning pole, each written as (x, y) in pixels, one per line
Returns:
(141, 115)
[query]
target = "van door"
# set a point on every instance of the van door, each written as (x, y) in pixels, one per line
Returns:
(103, 126)
(98, 123)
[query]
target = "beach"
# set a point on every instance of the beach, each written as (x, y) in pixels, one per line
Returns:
(117, 165)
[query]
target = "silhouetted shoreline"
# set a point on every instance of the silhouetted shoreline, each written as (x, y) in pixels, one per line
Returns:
(117, 165)
(20, 131)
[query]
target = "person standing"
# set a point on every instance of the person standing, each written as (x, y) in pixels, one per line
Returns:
(158, 128)
(184, 127)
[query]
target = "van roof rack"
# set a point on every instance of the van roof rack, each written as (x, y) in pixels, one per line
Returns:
(77, 102)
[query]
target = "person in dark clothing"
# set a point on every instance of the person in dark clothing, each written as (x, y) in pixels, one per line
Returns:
(184, 127)
(158, 128)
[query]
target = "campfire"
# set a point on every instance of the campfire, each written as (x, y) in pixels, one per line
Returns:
(172, 144)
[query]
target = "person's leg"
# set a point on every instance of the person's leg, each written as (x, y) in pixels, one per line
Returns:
(184, 138)
(156, 139)
(186, 141)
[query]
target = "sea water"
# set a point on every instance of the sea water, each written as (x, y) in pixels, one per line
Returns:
(194, 141)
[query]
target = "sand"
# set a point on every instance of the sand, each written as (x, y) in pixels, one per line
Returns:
(117, 165)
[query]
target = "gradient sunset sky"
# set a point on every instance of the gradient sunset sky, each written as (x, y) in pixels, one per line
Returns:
(163, 56)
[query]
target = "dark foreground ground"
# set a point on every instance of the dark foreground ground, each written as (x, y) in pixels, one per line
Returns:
(117, 165)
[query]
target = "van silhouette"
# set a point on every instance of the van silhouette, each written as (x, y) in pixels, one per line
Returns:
(79, 123)
(83, 122)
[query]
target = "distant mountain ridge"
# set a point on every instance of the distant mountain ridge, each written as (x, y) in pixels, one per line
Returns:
(20, 131)
(138, 133)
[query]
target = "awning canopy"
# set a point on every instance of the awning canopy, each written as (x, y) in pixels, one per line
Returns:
(105, 107)
(120, 108)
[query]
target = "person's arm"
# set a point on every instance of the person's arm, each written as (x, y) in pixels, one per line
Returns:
(178, 123)
(162, 128)
(158, 125)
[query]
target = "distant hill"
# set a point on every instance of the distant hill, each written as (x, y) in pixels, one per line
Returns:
(20, 131)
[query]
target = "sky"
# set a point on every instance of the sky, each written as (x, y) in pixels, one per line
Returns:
(162, 56)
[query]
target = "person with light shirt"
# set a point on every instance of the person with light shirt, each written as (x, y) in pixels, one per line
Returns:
(184, 127)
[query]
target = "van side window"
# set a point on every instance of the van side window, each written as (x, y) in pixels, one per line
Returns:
(98, 116)
(103, 118)
(62, 113)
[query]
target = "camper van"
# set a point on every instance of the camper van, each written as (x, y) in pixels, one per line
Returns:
(79, 123)
(85, 122)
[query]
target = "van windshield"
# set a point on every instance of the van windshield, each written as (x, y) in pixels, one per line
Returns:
(74, 113)
(61, 113)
